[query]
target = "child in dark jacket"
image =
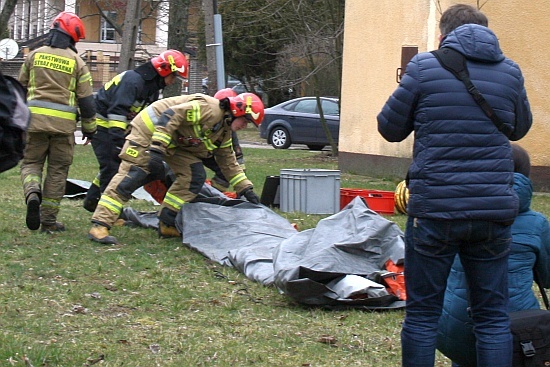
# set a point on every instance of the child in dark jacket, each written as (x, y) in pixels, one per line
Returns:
(530, 250)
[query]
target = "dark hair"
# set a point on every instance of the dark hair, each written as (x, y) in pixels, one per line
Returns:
(460, 14)
(522, 162)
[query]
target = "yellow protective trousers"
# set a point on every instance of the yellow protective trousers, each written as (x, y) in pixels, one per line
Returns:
(134, 173)
(57, 150)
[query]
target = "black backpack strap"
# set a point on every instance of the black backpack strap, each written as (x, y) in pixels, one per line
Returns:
(536, 277)
(455, 62)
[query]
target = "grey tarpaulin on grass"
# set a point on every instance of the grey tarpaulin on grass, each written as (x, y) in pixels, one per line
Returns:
(76, 189)
(149, 219)
(318, 266)
(236, 233)
(266, 248)
(355, 241)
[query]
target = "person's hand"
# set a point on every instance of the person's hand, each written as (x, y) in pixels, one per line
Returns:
(130, 116)
(156, 164)
(88, 136)
(250, 195)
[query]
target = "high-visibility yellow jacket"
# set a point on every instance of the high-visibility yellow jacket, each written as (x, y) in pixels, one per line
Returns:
(59, 91)
(195, 124)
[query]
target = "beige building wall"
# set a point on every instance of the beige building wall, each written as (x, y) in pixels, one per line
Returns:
(376, 31)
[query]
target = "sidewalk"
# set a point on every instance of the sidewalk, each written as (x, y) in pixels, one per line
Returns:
(79, 140)
(244, 144)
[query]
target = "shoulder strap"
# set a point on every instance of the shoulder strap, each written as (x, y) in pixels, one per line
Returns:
(536, 276)
(455, 62)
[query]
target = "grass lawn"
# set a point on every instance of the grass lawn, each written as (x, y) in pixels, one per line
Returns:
(66, 301)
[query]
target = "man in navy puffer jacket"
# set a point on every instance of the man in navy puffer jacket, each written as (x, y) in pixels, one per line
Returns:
(530, 250)
(460, 184)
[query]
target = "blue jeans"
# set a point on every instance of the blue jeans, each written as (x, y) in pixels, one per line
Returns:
(430, 248)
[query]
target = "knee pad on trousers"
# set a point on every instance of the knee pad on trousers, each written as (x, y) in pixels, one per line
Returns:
(135, 178)
(170, 175)
(198, 177)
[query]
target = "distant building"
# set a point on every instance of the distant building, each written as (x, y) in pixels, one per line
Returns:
(31, 21)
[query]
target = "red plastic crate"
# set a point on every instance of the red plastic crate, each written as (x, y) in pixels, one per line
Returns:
(382, 202)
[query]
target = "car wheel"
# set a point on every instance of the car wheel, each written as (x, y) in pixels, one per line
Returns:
(279, 138)
(315, 147)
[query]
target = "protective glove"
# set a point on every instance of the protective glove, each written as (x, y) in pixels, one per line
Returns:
(156, 164)
(130, 116)
(88, 136)
(250, 195)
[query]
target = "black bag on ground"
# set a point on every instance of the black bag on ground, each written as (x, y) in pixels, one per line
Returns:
(531, 333)
(14, 120)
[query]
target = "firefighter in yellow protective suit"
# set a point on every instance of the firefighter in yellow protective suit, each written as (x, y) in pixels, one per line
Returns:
(182, 131)
(59, 88)
(117, 102)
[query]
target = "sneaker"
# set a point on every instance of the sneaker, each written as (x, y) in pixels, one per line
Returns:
(33, 212)
(99, 233)
(166, 231)
(51, 228)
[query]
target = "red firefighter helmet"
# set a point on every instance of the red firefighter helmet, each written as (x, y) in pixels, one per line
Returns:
(70, 24)
(171, 61)
(248, 105)
(225, 93)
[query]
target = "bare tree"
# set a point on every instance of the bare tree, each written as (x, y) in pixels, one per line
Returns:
(135, 12)
(317, 30)
(208, 9)
(129, 37)
(177, 36)
(5, 14)
(293, 46)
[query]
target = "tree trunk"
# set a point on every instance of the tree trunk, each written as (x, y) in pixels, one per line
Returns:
(177, 38)
(129, 37)
(208, 10)
(5, 15)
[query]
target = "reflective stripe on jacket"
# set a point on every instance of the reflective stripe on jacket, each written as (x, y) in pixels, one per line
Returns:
(195, 124)
(56, 80)
(124, 96)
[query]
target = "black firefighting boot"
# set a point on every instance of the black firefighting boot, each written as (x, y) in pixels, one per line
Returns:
(100, 233)
(33, 211)
(92, 198)
(167, 224)
(52, 228)
(90, 204)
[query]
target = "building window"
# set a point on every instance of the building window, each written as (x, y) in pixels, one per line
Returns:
(108, 33)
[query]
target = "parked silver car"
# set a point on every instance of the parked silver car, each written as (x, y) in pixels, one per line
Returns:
(298, 122)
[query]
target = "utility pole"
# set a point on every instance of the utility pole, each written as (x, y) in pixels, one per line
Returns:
(208, 8)
(129, 37)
